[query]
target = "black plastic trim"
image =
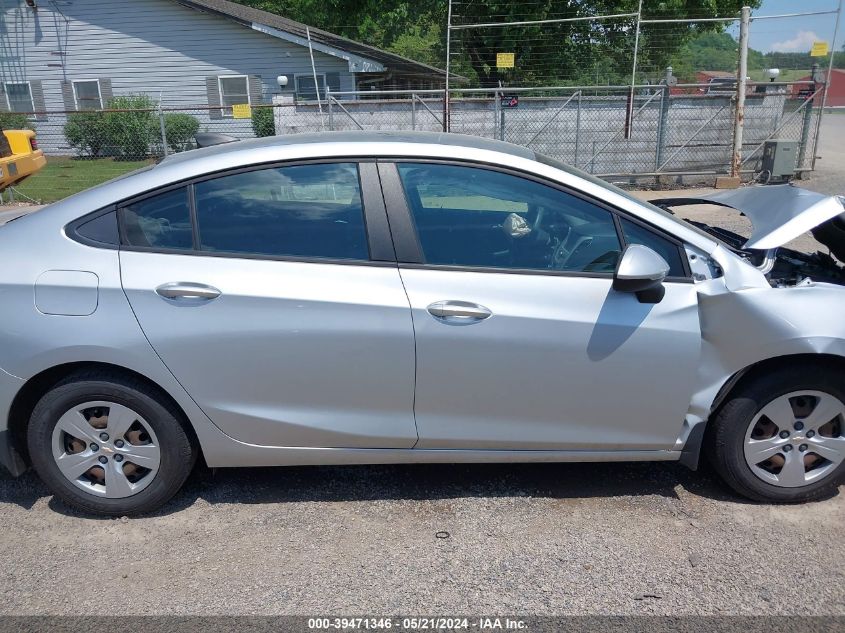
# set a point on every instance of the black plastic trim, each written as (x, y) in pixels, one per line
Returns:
(258, 256)
(9, 457)
(691, 453)
(72, 229)
(405, 239)
(669, 238)
(525, 271)
(192, 213)
(375, 214)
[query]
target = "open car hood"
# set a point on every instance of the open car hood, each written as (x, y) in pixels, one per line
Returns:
(778, 213)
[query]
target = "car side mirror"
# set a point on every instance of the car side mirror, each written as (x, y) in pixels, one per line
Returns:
(641, 271)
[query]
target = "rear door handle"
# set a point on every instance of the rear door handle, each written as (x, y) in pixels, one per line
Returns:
(458, 312)
(187, 291)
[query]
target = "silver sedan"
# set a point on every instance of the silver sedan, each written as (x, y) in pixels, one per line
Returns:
(394, 298)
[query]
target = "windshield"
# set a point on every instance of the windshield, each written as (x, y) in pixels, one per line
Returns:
(553, 162)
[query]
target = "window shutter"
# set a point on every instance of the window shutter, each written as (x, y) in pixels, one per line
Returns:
(333, 81)
(256, 90)
(67, 96)
(106, 92)
(4, 107)
(213, 93)
(37, 93)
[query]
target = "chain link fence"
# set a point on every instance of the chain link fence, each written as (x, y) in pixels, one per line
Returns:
(650, 121)
(660, 130)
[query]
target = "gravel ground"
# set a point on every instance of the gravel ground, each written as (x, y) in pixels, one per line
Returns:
(540, 539)
(530, 539)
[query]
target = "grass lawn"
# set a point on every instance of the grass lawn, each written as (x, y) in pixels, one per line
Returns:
(65, 175)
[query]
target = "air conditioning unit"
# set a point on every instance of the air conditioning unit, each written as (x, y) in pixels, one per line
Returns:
(779, 158)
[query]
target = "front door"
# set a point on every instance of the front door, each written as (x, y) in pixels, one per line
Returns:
(521, 342)
(260, 292)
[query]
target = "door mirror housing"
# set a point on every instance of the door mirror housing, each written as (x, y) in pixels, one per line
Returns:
(641, 271)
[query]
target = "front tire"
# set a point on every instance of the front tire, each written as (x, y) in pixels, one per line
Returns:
(109, 445)
(780, 437)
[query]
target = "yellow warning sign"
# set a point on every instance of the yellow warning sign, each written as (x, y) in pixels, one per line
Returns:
(820, 49)
(241, 111)
(505, 60)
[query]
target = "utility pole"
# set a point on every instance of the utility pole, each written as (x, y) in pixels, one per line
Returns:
(446, 112)
(629, 113)
(742, 73)
(827, 82)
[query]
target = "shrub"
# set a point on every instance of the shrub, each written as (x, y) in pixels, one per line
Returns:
(262, 122)
(86, 133)
(180, 128)
(131, 132)
(15, 121)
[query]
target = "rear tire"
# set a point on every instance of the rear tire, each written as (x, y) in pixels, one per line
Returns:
(109, 445)
(780, 437)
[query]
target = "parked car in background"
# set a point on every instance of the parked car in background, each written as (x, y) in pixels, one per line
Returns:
(359, 298)
(19, 157)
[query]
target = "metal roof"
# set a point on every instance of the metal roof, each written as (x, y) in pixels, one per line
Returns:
(249, 16)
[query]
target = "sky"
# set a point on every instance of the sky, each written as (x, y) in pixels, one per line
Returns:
(794, 34)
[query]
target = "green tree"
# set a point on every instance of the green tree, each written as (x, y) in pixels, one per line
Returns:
(712, 51)
(179, 128)
(15, 121)
(86, 133)
(262, 121)
(587, 51)
(130, 126)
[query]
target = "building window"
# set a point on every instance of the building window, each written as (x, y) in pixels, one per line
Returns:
(234, 90)
(19, 97)
(87, 95)
(305, 87)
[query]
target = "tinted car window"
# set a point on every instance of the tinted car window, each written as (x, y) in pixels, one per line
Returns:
(467, 216)
(300, 211)
(636, 234)
(101, 229)
(161, 221)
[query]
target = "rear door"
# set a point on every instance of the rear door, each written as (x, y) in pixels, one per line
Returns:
(273, 296)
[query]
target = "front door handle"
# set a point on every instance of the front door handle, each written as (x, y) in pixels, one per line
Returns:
(187, 291)
(458, 312)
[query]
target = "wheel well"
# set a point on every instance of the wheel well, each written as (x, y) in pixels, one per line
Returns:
(693, 445)
(35, 388)
(736, 381)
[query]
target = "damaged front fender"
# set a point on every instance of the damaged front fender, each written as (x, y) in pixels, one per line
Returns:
(743, 327)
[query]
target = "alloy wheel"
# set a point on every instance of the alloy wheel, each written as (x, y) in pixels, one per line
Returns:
(796, 439)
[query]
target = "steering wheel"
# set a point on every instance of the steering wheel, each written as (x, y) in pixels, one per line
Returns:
(560, 256)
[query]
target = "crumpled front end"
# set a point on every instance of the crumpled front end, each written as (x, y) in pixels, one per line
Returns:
(779, 214)
(742, 327)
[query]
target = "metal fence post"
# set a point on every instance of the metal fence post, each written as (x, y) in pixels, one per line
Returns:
(331, 111)
(497, 104)
(739, 111)
(447, 106)
(577, 129)
(629, 110)
(827, 82)
(161, 125)
(663, 122)
(413, 110)
(806, 123)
